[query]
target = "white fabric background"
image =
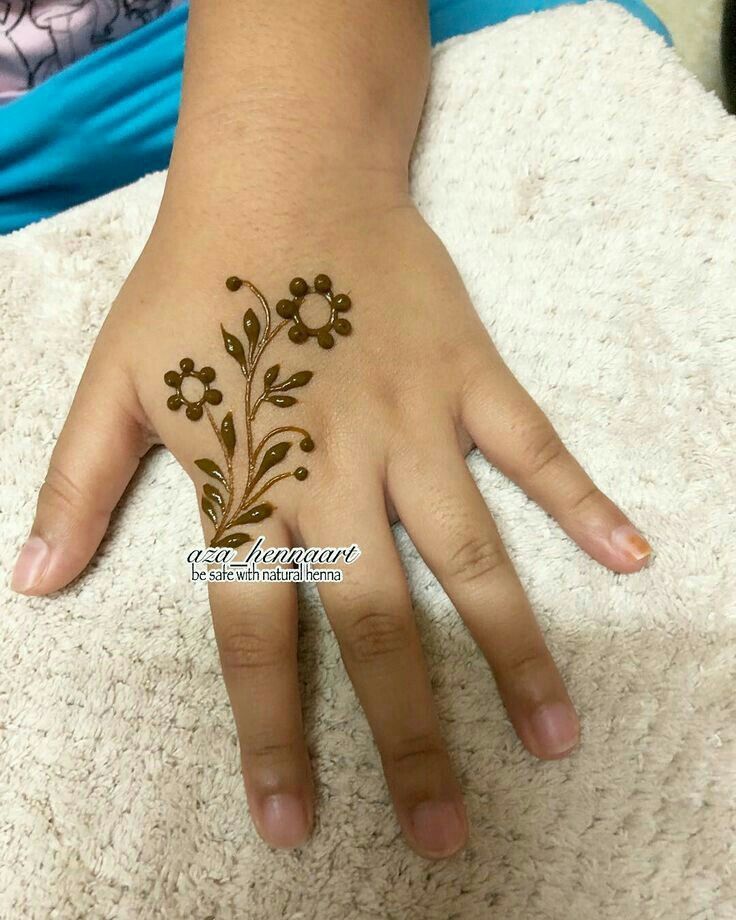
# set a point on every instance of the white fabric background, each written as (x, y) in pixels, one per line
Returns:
(584, 182)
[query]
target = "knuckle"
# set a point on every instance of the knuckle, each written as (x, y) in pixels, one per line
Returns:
(416, 748)
(272, 750)
(243, 648)
(475, 559)
(373, 635)
(542, 448)
(476, 388)
(387, 397)
(591, 495)
(527, 663)
(60, 491)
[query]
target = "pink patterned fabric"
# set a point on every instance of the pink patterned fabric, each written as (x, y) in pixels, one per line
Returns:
(38, 38)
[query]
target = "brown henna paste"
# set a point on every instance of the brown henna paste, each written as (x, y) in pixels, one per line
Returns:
(218, 501)
(338, 303)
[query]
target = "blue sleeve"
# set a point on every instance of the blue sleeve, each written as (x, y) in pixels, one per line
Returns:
(456, 17)
(103, 122)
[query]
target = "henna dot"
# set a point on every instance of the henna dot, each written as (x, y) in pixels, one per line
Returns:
(298, 287)
(325, 340)
(306, 444)
(342, 326)
(194, 412)
(342, 302)
(174, 401)
(213, 396)
(286, 309)
(301, 473)
(297, 335)
(172, 379)
(187, 365)
(207, 374)
(322, 284)
(233, 283)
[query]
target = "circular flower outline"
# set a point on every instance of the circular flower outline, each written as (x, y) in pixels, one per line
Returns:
(175, 379)
(289, 308)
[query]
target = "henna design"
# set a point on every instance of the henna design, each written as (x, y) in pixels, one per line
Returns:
(300, 331)
(208, 394)
(192, 388)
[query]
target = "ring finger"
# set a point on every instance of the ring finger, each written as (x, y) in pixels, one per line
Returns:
(452, 528)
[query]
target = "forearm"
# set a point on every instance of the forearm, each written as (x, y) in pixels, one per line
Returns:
(278, 96)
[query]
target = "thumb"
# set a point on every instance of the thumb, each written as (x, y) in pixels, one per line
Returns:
(96, 454)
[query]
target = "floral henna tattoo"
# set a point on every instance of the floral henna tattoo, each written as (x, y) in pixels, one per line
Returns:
(192, 388)
(300, 331)
(208, 395)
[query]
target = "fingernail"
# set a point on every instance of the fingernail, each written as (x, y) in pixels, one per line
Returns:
(438, 828)
(30, 565)
(628, 540)
(284, 820)
(555, 728)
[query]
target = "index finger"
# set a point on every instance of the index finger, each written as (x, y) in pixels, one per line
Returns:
(256, 630)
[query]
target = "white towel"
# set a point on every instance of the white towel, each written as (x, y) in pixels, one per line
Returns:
(584, 182)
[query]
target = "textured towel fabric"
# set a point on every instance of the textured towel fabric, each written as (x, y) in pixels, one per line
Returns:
(109, 118)
(587, 200)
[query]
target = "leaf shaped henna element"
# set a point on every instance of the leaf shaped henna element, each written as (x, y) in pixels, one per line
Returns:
(192, 389)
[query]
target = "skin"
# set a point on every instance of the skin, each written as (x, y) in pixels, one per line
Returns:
(264, 454)
(305, 171)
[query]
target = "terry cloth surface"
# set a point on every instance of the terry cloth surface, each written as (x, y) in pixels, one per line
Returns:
(110, 118)
(588, 201)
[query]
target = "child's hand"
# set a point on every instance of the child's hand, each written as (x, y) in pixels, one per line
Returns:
(390, 410)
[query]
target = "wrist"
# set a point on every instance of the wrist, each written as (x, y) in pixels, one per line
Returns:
(355, 71)
(308, 98)
(268, 184)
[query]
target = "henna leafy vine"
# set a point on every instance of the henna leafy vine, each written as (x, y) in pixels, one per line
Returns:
(227, 512)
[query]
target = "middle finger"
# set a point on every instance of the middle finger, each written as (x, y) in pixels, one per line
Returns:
(371, 614)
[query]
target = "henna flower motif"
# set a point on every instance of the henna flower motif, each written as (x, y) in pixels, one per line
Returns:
(200, 389)
(230, 512)
(300, 331)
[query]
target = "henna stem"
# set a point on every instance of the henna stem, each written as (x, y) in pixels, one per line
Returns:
(266, 341)
(248, 500)
(257, 403)
(249, 368)
(230, 475)
(249, 372)
(248, 430)
(290, 428)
